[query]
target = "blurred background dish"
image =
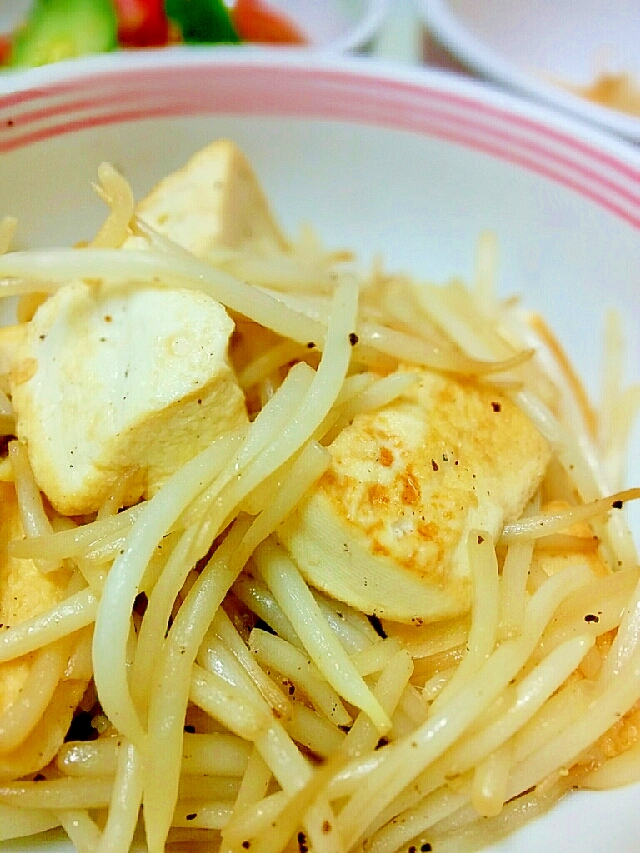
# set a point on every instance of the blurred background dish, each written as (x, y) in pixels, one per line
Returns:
(560, 53)
(337, 26)
(36, 32)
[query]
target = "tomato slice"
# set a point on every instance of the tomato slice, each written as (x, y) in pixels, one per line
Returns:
(256, 21)
(5, 49)
(142, 23)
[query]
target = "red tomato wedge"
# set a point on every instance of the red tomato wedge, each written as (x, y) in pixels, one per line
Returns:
(5, 49)
(256, 21)
(142, 23)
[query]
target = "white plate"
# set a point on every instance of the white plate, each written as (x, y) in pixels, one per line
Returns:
(530, 46)
(409, 163)
(334, 26)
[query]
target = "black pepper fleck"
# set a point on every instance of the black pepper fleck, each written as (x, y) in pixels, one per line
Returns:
(303, 847)
(496, 407)
(617, 504)
(591, 617)
(140, 603)
(434, 464)
(377, 626)
(81, 728)
(353, 338)
(311, 345)
(480, 540)
(192, 816)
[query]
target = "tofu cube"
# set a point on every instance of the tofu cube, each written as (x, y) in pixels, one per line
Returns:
(133, 383)
(121, 384)
(214, 200)
(386, 527)
(25, 593)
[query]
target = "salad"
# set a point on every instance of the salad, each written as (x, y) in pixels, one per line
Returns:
(64, 29)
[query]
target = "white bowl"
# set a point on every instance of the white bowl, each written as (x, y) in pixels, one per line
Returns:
(405, 162)
(334, 26)
(532, 46)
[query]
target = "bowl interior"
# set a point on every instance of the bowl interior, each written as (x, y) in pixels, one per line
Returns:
(408, 165)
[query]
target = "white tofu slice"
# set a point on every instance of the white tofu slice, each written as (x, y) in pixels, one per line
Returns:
(214, 200)
(120, 384)
(139, 394)
(386, 527)
(24, 590)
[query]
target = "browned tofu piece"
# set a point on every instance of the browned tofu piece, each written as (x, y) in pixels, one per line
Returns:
(386, 528)
(24, 593)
